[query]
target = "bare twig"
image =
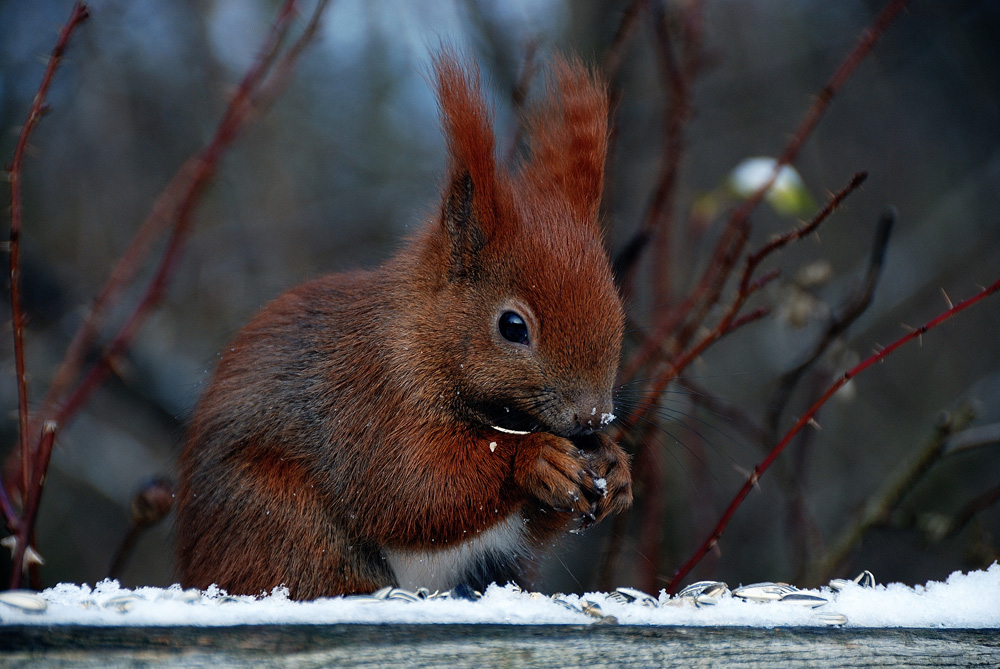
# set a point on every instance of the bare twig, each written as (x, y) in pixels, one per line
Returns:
(77, 16)
(611, 551)
(965, 515)
(652, 483)
(174, 209)
(754, 260)
(975, 437)
(738, 228)
(626, 28)
(657, 224)
(888, 496)
(731, 320)
(26, 527)
(856, 306)
(730, 414)
(234, 120)
(275, 81)
(805, 419)
(815, 112)
(150, 504)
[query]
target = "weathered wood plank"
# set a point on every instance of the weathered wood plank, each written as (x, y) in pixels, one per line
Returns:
(493, 646)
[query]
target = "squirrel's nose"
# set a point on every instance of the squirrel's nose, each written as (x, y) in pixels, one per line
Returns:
(593, 413)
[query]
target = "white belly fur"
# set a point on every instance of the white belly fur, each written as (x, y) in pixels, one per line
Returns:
(442, 569)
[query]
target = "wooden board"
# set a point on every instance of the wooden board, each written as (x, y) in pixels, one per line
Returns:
(493, 646)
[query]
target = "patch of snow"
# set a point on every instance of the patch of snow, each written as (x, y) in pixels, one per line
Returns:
(962, 601)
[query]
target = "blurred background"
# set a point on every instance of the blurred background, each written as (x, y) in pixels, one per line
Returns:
(350, 159)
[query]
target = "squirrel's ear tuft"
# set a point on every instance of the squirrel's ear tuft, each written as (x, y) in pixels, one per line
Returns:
(569, 137)
(466, 236)
(473, 203)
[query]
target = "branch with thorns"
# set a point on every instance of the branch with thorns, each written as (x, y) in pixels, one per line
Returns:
(172, 212)
(808, 418)
(679, 334)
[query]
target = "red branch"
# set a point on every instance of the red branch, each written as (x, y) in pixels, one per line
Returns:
(815, 112)
(33, 499)
(808, 416)
(780, 242)
(257, 90)
(175, 205)
(626, 29)
(77, 16)
(738, 228)
(174, 209)
(731, 320)
(658, 225)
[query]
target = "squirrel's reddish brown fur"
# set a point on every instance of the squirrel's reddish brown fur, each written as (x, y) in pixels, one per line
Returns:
(433, 421)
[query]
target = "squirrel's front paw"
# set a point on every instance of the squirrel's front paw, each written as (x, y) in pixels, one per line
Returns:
(562, 478)
(612, 474)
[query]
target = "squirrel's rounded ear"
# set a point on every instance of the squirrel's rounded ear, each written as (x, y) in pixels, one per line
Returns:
(474, 201)
(569, 137)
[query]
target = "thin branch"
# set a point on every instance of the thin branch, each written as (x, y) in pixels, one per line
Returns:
(611, 551)
(657, 224)
(176, 205)
(274, 83)
(730, 321)
(976, 437)
(861, 50)
(657, 342)
(203, 166)
(965, 515)
(888, 496)
(805, 419)
(33, 499)
(738, 227)
(150, 505)
(730, 414)
(189, 178)
(866, 42)
(650, 535)
(626, 28)
(77, 16)
(754, 260)
(856, 306)
(9, 512)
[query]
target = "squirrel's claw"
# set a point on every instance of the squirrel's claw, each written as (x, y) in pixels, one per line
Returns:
(611, 465)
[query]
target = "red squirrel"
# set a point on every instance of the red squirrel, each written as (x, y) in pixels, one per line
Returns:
(435, 420)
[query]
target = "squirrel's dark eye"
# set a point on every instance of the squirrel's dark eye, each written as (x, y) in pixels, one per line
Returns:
(513, 328)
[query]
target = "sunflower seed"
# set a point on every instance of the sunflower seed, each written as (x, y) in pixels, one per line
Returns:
(764, 592)
(804, 599)
(25, 600)
(865, 579)
(830, 618)
(628, 595)
(122, 603)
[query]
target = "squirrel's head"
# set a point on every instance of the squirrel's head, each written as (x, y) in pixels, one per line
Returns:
(522, 284)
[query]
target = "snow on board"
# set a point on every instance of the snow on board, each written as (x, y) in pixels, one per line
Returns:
(963, 600)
